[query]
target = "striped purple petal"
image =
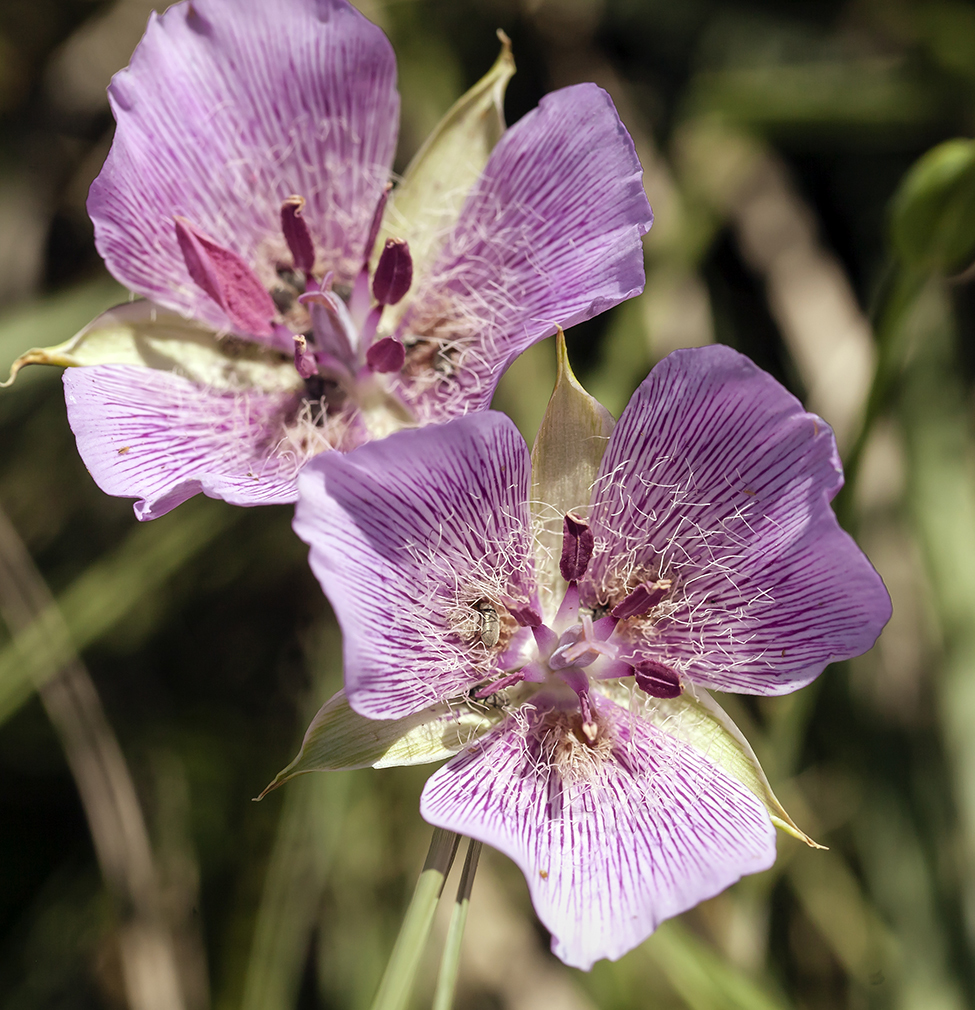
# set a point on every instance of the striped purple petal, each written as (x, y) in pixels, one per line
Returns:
(717, 480)
(161, 438)
(613, 837)
(421, 543)
(551, 235)
(230, 107)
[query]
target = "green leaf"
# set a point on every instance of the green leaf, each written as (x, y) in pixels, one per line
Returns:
(565, 460)
(339, 738)
(428, 201)
(701, 976)
(142, 333)
(697, 719)
(933, 212)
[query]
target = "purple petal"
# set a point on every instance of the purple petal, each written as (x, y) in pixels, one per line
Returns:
(717, 479)
(228, 108)
(551, 234)
(408, 536)
(227, 279)
(156, 436)
(612, 838)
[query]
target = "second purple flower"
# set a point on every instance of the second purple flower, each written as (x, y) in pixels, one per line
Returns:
(556, 626)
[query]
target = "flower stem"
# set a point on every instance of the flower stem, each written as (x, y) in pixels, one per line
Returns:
(397, 984)
(443, 998)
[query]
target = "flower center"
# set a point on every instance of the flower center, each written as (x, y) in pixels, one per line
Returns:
(578, 647)
(332, 336)
(332, 331)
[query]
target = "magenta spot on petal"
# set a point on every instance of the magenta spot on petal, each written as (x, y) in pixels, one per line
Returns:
(296, 233)
(577, 544)
(394, 272)
(641, 601)
(227, 279)
(657, 679)
(386, 355)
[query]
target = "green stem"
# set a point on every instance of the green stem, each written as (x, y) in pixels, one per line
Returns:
(397, 984)
(443, 998)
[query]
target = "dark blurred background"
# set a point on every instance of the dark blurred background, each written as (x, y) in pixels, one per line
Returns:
(774, 135)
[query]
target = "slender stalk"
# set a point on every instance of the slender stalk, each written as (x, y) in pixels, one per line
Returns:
(894, 303)
(397, 984)
(443, 998)
(150, 965)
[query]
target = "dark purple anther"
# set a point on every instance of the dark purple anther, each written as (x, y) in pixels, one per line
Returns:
(386, 355)
(394, 272)
(657, 679)
(641, 601)
(577, 543)
(377, 220)
(296, 234)
(305, 361)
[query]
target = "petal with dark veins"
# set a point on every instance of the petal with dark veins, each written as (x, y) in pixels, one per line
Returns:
(613, 837)
(161, 438)
(228, 108)
(717, 479)
(408, 536)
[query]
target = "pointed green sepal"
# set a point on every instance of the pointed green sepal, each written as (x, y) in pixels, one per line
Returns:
(695, 718)
(428, 201)
(144, 334)
(568, 449)
(339, 738)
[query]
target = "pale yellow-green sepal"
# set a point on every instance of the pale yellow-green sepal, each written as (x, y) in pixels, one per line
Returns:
(425, 205)
(695, 718)
(569, 447)
(144, 334)
(339, 738)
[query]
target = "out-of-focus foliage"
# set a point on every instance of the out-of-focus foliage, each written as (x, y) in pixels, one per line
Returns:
(933, 217)
(775, 138)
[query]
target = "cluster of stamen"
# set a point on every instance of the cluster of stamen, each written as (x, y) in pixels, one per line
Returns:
(579, 645)
(333, 336)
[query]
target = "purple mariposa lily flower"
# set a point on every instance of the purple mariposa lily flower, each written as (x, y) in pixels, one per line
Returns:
(245, 190)
(707, 557)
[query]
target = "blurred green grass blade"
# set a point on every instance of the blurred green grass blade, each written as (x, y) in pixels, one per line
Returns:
(935, 411)
(626, 356)
(833, 899)
(701, 977)
(106, 593)
(54, 319)
(308, 831)
(896, 863)
(525, 387)
(835, 94)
